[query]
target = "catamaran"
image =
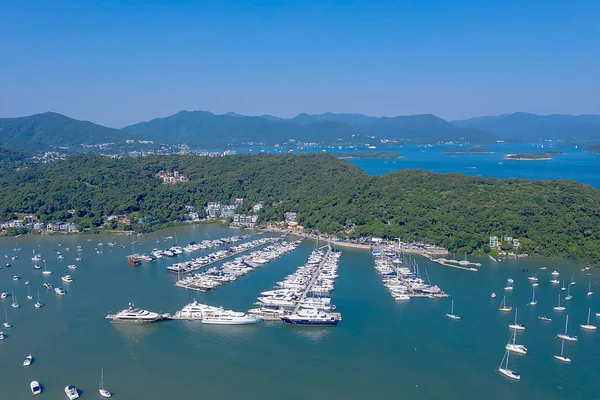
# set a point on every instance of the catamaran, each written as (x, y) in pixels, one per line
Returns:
(566, 336)
(103, 392)
(504, 307)
(516, 326)
(514, 347)
(587, 326)
(503, 368)
(533, 301)
(452, 315)
(559, 307)
(562, 357)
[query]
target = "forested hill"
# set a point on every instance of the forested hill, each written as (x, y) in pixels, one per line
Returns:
(51, 131)
(552, 218)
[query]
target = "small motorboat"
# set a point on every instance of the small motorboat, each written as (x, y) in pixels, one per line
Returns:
(72, 266)
(544, 318)
(35, 387)
(37, 267)
(493, 295)
(28, 361)
(71, 392)
(67, 279)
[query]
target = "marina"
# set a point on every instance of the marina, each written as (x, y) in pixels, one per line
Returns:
(218, 256)
(403, 282)
(231, 270)
(429, 344)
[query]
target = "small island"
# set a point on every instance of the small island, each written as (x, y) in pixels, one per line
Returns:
(369, 154)
(467, 150)
(540, 156)
(593, 148)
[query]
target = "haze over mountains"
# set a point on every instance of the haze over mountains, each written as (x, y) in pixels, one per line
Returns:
(202, 129)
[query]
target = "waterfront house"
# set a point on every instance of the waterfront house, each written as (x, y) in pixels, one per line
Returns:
(493, 242)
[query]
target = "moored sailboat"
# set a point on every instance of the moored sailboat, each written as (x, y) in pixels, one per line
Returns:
(504, 370)
(504, 307)
(566, 336)
(451, 315)
(587, 326)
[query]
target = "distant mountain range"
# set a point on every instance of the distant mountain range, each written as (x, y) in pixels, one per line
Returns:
(202, 129)
(532, 127)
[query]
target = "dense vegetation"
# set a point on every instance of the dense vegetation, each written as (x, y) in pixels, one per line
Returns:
(467, 150)
(529, 156)
(552, 218)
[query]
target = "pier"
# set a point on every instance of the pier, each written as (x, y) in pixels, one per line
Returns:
(464, 265)
(193, 267)
(314, 277)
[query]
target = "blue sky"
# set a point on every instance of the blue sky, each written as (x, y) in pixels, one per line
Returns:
(120, 62)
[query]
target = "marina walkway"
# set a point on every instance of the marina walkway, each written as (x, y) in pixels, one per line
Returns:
(313, 278)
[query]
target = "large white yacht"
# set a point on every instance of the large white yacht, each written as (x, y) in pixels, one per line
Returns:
(195, 311)
(134, 315)
(228, 317)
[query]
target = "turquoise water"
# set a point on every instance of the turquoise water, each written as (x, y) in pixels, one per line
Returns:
(574, 164)
(381, 349)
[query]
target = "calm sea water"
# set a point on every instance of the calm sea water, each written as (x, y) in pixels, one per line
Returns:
(381, 349)
(574, 164)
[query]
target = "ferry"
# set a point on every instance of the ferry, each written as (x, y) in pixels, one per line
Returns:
(229, 317)
(134, 315)
(310, 317)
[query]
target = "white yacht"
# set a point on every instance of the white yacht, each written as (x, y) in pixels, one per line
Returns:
(3, 295)
(72, 266)
(587, 326)
(36, 257)
(228, 317)
(554, 281)
(195, 311)
(451, 315)
(134, 315)
(60, 291)
(559, 307)
(28, 360)
(269, 313)
(2, 335)
(67, 279)
(562, 355)
(555, 273)
(503, 368)
(71, 392)
(566, 336)
(103, 392)
(533, 301)
(516, 326)
(35, 387)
